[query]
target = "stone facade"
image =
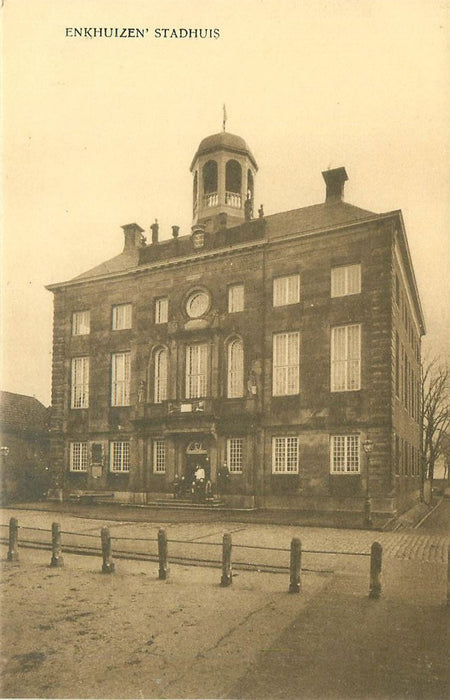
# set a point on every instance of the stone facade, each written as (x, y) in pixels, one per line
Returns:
(285, 445)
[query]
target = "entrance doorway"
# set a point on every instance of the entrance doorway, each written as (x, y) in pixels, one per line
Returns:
(196, 456)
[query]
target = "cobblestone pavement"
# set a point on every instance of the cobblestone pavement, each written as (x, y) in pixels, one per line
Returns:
(406, 544)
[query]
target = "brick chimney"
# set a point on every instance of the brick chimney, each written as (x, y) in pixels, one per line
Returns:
(335, 180)
(155, 230)
(133, 237)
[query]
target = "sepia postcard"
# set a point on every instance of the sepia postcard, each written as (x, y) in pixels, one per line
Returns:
(224, 395)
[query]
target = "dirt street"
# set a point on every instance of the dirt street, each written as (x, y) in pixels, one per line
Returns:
(74, 632)
(77, 633)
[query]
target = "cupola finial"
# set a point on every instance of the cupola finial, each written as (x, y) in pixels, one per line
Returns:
(224, 120)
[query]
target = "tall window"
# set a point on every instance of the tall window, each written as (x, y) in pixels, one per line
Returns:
(235, 382)
(159, 456)
(235, 454)
(344, 454)
(286, 363)
(81, 322)
(345, 280)
(346, 358)
(121, 317)
(120, 379)
(161, 310)
(119, 456)
(286, 290)
(78, 456)
(285, 455)
(160, 375)
(80, 382)
(235, 298)
(196, 371)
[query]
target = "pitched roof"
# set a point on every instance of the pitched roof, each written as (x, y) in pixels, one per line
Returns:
(315, 217)
(304, 220)
(119, 263)
(20, 412)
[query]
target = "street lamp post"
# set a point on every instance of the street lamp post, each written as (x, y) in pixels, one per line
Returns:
(368, 447)
(4, 452)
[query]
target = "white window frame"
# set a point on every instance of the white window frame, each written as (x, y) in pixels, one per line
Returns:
(345, 454)
(120, 378)
(286, 290)
(79, 457)
(160, 372)
(346, 358)
(81, 321)
(235, 455)
(286, 363)
(235, 298)
(162, 310)
(345, 280)
(79, 395)
(121, 317)
(197, 368)
(119, 456)
(159, 456)
(235, 369)
(285, 454)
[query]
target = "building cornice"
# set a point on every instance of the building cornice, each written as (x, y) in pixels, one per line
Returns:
(221, 252)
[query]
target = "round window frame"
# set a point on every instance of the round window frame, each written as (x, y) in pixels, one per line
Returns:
(190, 297)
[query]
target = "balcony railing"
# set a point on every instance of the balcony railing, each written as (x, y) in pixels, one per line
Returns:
(211, 199)
(186, 408)
(233, 199)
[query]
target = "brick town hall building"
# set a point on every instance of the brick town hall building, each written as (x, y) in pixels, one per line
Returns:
(275, 344)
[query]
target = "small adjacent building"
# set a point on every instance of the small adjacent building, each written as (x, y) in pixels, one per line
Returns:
(24, 447)
(267, 347)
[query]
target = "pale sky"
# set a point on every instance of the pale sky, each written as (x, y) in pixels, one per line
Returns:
(101, 132)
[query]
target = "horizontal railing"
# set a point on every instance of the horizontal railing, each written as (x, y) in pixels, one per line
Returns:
(211, 199)
(233, 199)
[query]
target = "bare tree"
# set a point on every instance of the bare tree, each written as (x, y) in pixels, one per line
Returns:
(435, 414)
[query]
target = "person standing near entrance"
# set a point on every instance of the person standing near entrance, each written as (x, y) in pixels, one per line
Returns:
(199, 477)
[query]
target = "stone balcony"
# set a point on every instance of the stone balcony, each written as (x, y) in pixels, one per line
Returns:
(190, 410)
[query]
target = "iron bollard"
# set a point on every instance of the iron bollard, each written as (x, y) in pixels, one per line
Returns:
(295, 565)
(57, 557)
(162, 555)
(108, 564)
(227, 574)
(13, 550)
(376, 553)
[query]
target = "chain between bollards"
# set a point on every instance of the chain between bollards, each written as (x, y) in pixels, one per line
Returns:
(376, 555)
(13, 549)
(295, 566)
(162, 555)
(108, 564)
(227, 573)
(57, 557)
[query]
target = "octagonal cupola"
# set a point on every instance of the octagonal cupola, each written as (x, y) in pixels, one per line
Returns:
(223, 171)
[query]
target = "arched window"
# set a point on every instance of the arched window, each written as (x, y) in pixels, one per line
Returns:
(160, 375)
(233, 184)
(235, 378)
(210, 187)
